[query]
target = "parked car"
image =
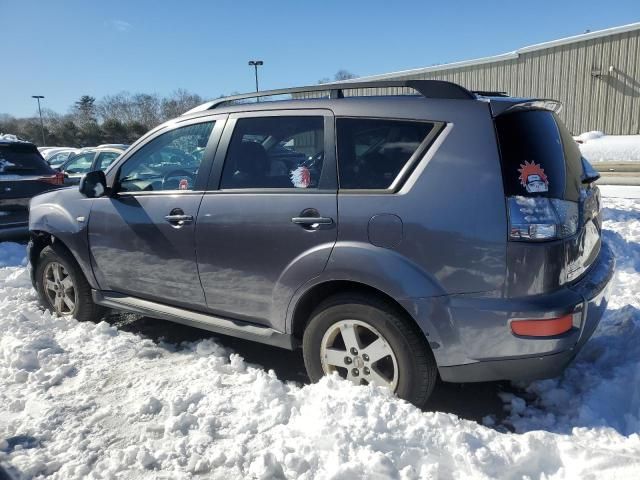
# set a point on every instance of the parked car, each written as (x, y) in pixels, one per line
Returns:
(57, 157)
(23, 174)
(88, 160)
(445, 234)
(123, 146)
(48, 151)
(44, 149)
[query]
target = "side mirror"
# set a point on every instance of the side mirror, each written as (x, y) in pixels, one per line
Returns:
(94, 184)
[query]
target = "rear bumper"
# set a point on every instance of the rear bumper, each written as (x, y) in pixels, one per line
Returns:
(549, 356)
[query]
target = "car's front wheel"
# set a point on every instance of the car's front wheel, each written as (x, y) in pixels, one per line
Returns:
(368, 341)
(62, 287)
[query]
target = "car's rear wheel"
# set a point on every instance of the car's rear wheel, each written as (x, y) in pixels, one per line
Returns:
(368, 341)
(62, 287)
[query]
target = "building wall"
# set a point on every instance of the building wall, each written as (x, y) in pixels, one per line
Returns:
(610, 103)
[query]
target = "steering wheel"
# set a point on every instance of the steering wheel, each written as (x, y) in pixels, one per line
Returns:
(178, 173)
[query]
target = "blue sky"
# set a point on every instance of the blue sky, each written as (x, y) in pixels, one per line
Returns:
(65, 49)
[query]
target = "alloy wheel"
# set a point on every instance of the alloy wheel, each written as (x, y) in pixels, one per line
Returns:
(360, 354)
(59, 288)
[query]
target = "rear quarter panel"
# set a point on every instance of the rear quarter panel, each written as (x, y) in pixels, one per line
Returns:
(452, 207)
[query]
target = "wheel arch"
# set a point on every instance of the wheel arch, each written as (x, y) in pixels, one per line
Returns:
(316, 294)
(39, 239)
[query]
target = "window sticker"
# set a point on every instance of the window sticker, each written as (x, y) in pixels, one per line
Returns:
(533, 178)
(184, 184)
(301, 177)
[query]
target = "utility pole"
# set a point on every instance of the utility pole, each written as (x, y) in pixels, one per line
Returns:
(38, 97)
(255, 64)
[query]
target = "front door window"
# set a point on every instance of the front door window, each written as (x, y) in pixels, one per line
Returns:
(168, 162)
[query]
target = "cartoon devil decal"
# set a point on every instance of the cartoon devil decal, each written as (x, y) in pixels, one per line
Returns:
(533, 178)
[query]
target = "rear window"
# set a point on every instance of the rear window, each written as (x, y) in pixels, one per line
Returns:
(539, 156)
(20, 160)
(372, 152)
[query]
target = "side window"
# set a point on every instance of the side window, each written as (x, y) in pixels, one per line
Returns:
(80, 163)
(105, 159)
(372, 152)
(58, 159)
(275, 152)
(168, 162)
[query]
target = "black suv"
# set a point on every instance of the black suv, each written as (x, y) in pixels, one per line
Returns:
(395, 238)
(23, 174)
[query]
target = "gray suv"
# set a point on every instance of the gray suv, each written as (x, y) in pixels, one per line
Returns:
(394, 238)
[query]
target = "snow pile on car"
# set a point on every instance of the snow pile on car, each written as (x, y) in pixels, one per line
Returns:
(8, 137)
(598, 147)
(85, 400)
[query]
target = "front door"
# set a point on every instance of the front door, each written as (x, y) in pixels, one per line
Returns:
(271, 224)
(142, 237)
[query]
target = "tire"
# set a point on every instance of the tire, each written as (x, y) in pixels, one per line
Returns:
(415, 367)
(70, 280)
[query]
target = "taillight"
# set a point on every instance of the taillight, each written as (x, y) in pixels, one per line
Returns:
(57, 179)
(541, 218)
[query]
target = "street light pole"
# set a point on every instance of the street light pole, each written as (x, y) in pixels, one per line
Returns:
(255, 64)
(38, 97)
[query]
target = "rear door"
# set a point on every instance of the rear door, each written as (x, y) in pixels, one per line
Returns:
(142, 237)
(268, 223)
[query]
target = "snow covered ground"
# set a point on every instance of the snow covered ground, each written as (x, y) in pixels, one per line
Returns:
(92, 401)
(598, 147)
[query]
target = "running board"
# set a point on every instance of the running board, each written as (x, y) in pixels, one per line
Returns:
(204, 321)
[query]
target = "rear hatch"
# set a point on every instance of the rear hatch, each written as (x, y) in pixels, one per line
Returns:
(23, 174)
(552, 203)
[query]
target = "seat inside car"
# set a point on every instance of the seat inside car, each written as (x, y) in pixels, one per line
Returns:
(250, 163)
(252, 168)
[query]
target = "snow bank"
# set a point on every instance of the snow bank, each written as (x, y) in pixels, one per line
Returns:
(620, 191)
(584, 137)
(602, 387)
(598, 147)
(85, 400)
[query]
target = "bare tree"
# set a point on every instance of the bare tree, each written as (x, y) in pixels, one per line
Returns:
(147, 108)
(179, 102)
(338, 77)
(343, 75)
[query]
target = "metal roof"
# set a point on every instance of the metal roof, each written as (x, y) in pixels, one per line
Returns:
(504, 56)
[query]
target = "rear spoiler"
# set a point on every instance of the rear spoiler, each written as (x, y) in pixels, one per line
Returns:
(500, 106)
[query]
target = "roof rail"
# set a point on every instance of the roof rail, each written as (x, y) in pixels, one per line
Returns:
(426, 88)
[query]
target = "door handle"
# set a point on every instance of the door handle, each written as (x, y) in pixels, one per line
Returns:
(310, 221)
(179, 219)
